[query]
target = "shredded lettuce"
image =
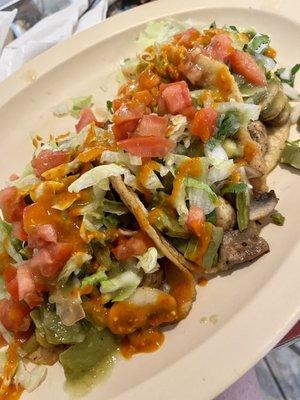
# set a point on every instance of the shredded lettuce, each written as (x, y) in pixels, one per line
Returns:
(96, 175)
(94, 279)
(26, 183)
(287, 75)
(80, 103)
(245, 112)
(73, 265)
(177, 129)
(159, 32)
(153, 182)
(6, 240)
(220, 171)
(120, 157)
(114, 207)
(201, 195)
(291, 154)
(148, 261)
(124, 279)
(258, 44)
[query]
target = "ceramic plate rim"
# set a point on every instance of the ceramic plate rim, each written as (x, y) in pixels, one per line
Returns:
(288, 313)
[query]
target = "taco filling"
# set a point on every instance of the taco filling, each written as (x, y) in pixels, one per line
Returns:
(102, 230)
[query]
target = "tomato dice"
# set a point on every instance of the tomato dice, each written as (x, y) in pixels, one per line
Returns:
(147, 146)
(176, 96)
(51, 258)
(196, 221)
(204, 123)
(11, 282)
(152, 125)
(122, 130)
(41, 235)
(243, 63)
(134, 246)
(12, 204)
(18, 230)
(220, 47)
(48, 159)
(14, 316)
(188, 37)
(189, 112)
(87, 117)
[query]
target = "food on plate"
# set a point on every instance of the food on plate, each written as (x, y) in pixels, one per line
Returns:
(107, 229)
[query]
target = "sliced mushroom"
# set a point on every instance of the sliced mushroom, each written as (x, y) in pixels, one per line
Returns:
(274, 109)
(259, 134)
(225, 214)
(262, 205)
(282, 117)
(272, 91)
(240, 247)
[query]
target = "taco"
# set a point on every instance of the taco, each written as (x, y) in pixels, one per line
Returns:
(207, 140)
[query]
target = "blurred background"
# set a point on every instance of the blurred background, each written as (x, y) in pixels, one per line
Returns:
(278, 374)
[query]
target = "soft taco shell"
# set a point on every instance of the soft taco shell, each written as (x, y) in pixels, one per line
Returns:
(134, 204)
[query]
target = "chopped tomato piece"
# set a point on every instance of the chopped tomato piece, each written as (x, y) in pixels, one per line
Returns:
(122, 130)
(131, 111)
(51, 258)
(13, 177)
(41, 235)
(204, 123)
(152, 125)
(48, 159)
(188, 37)
(161, 106)
(196, 221)
(220, 47)
(191, 71)
(87, 117)
(14, 316)
(27, 287)
(176, 96)
(12, 204)
(243, 63)
(18, 230)
(134, 246)
(147, 146)
(189, 112)
(11, 282)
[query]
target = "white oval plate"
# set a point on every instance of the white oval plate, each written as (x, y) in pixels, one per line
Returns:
(252, 308)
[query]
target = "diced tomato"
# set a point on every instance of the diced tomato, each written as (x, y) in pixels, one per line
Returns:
(161, 106)
(26, 286)
(191, 71)
(220, 47)
(147, 146)
(87, 117)
(188, 37)
(12, 204)
(14, 316)
(129, 112)
(176, 96)
(48, 159)
(41, 235)
(18, 230)
(11, 282)
(135, 246)
(204, 123)
(122, 130)
(51, 258)
(152, 125)
(189, 112)
(25, 280)
(196, 221)
(243, 63)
